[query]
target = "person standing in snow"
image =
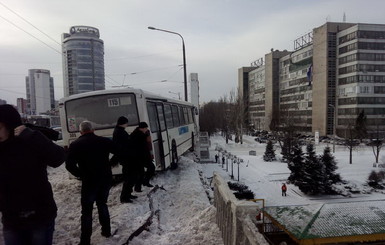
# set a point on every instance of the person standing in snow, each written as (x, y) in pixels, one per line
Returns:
(284, 189)
(26, 199)
(150, 167)
(141, 153)
(122, 140)
(216, 158)
(88, 159)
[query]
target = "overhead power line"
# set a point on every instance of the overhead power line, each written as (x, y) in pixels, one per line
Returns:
(152, 70)
(21, 17)
(172, 75)
(115, 82)
(10, 91)
(46, 44)
(56, 50)
(112, 81)
(22, 93)
(141, 56)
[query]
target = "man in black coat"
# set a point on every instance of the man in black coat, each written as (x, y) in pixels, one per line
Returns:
(129, 169)
(26, 199)
(88, 159)
(141, 152)
(150, 167)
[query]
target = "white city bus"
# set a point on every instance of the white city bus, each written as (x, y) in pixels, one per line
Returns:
(171, 122)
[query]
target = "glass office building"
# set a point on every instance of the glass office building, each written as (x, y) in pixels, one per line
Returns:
(83, 60)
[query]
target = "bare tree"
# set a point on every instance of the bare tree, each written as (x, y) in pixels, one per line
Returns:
(350, 140)
(377, 141)
(282, 126)
(212, 116)
(227, 115)
(240, 116)
(236, 115)
(222, 118)
(355, 132)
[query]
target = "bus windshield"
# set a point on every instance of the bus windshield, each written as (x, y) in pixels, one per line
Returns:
(102, 111)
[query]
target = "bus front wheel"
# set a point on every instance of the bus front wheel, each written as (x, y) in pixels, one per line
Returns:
(174, 157)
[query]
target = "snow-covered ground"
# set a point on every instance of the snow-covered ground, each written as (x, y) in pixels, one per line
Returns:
(182, 213)
(265, 178)
(182, 210)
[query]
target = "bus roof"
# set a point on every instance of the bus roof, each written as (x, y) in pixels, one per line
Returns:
(146, 94)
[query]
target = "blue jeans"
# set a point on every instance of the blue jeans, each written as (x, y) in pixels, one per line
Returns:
(39, 235)
(90, 193)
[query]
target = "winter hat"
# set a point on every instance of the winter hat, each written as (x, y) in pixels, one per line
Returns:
(10, 116)
(143, 125)
(122, 120)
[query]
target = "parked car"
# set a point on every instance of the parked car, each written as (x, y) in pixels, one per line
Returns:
(261, 139)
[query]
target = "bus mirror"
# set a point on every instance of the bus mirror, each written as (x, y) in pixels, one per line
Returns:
(196, 111)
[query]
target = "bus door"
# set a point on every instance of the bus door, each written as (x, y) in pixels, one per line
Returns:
(159, 134)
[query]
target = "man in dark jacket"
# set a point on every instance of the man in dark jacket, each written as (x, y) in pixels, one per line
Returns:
(149, 165)
(88, 159)
(129, 169)
(26, 199)
(141, 152)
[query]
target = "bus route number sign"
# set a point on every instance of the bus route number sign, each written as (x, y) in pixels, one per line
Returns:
(113, 102)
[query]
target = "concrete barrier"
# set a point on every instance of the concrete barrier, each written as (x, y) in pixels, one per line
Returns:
(236, 218)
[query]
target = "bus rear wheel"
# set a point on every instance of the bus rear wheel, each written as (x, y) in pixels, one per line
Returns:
(174, 157)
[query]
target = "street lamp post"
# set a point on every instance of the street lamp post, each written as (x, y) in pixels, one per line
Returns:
(184, 58)
(233, 160)
(334, 127)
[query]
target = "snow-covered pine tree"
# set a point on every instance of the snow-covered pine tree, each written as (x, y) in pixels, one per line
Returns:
(269, 155)
(314, 173)
(331, 177)
(296, 165)
(285, 151)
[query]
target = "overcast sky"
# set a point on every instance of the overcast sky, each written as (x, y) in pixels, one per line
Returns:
(220, 37)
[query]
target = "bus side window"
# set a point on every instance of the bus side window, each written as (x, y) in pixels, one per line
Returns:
(181, 116)
(190, 117)
(168, 115)
(185, 114)
(175, 115)
(162, 121)
(152, 115)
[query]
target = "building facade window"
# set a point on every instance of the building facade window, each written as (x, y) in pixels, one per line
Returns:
(348, 37)
(371, 34)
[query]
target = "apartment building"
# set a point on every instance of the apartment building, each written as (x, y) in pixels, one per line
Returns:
(256, 109)
(332, 75)
(361, 76)
(40, 91)
(21, 105)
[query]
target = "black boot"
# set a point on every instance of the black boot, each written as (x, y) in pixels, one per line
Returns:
(106, 233)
